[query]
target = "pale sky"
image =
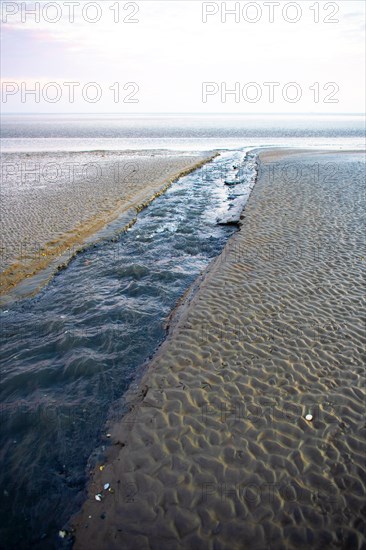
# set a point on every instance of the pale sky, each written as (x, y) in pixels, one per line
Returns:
(172, 56)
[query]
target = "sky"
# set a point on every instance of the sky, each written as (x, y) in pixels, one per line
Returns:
(183, 56)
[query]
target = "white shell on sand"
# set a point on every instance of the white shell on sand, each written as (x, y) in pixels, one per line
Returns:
(98, 497)
(309, 417)
(106, 486)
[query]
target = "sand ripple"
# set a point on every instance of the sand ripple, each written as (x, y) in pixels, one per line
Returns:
(52, 202)
(217, 453)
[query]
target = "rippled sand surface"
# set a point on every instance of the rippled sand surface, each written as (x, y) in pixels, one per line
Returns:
(216, 452)
(52, 202)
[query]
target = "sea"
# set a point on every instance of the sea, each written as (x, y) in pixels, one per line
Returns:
(27, 133)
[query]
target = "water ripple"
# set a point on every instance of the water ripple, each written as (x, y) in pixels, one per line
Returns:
(69, 353)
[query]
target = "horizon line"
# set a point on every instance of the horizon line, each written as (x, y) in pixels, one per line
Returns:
(167, 113)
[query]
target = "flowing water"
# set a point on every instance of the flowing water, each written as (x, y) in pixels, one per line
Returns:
(70, 353)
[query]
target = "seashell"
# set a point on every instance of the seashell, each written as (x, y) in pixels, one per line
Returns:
(106, 486)
(98, 497)
(309, 417)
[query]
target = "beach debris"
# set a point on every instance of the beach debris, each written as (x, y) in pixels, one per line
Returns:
(234, 219)
(98, 497)
(309, 417)
(108, 435)
(217, 529)
(101, 468)
(62, 534)
(106, 486)
(231, 182)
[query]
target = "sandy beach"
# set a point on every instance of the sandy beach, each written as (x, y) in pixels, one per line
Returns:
(247, 429)
(51, 203)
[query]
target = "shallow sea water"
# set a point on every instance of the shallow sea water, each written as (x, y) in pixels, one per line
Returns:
(189, 132)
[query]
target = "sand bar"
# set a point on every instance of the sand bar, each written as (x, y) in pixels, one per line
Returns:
(216, 452)
(52, 203)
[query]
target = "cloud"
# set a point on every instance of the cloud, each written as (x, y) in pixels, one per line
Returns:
(171, 51)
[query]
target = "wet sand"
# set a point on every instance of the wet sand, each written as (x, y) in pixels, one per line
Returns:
(52, 203)
(216, 452)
